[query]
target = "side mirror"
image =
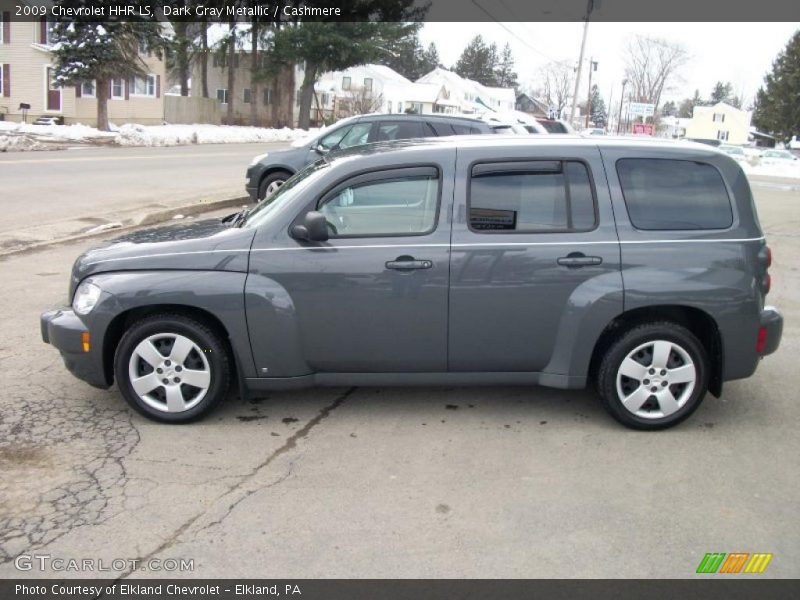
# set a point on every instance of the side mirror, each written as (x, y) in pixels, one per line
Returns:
(314, 228)
(320, 149)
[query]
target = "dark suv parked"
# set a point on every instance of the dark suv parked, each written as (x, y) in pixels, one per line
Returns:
(635, 265)
(267, 172)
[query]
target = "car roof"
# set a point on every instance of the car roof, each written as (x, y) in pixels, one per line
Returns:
(426, 117)
(501, 141)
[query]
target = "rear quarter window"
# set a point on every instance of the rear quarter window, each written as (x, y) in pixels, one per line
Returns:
(666, 194)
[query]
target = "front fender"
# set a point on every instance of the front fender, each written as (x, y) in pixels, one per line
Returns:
(219, 293)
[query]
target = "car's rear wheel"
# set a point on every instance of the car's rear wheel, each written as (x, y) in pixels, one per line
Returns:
(653, 376)
(271, 184)
(171, 368)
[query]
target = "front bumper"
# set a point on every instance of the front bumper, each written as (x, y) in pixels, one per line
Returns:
(772, 324)
(62, 329)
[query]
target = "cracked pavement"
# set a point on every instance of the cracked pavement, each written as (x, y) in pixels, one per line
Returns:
(368, 482)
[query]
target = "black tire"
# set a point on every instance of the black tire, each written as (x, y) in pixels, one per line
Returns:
(214, 351)
(273, 177)
(632, 339)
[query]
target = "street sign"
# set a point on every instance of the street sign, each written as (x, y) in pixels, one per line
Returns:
(641, 109)
(642, 129)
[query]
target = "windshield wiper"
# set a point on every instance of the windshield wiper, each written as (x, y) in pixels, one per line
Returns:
(236, 219)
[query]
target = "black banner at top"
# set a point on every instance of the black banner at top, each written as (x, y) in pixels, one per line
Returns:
(710, 11)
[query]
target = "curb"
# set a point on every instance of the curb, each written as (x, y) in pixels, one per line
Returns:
(148, 219)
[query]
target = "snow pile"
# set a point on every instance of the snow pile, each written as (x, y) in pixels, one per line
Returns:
(177, 135)
(788, 171)
(55, 133)
(151, 135)
(19, 143)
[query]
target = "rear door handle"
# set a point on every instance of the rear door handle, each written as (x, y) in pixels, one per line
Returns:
(575, 260)
(407, 263)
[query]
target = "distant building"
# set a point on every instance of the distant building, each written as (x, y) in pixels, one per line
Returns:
(375, 88)
(722, 122)
(532, 106)
(27, 77)
(468, 96)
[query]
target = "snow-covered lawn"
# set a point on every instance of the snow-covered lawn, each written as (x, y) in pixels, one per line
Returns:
(20, 136)
(789, 171)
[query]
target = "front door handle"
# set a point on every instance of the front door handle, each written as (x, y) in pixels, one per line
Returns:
(407, 263)
(575, 260)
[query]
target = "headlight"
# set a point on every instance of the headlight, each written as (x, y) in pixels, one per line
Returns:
(86, 296)
(259, 158)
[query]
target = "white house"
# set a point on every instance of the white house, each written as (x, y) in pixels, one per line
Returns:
(719, 122)
(376, 88)
(471, 96)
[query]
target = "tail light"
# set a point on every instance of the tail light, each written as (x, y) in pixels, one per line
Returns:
(761, 340)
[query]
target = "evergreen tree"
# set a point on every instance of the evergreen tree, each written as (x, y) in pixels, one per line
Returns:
(777, 109)
(722, 92)
(686, 108)
(505, 76)
(86, 51)
(597, 108)
(669, 109)
(430, 59)
(478, 62)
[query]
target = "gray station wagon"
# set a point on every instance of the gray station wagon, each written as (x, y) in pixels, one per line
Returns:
(637, 266)
(267, 172)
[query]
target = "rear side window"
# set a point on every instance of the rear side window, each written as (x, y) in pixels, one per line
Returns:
(531, 196)
(674, 194)
(465, 129)
(399, 130)
(441, 128)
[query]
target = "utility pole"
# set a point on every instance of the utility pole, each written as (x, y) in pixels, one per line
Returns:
(621, 102)
(592, 67)
(589, 8)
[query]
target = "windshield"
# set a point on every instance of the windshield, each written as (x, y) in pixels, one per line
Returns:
(295, 185)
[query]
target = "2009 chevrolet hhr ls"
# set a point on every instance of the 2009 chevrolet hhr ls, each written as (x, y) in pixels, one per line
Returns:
(639, 266)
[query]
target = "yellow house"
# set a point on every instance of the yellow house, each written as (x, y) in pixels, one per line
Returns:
(722, 122)
(26, 78)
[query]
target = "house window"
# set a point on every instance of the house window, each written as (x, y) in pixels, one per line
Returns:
(399, 107)
(144, 86)
(222, 95)
(248, 95)
(722, 135)
(46, 33)
(368, 84)
(87, 89)
(267, 96)
(389, 107)
(117, 89)
(143, 48)
(719, 118)
(346, 83)
(2, 31)
(2, 81)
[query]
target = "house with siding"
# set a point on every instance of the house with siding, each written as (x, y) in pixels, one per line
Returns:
(28, 79)
(721, 121)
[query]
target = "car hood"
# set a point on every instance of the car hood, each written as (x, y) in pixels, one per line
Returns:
(208, 245)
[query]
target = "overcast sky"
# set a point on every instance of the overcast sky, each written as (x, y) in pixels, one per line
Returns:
(741, 53)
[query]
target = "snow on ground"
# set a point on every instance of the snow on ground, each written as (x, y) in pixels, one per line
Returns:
(789, 171)
(13, 134)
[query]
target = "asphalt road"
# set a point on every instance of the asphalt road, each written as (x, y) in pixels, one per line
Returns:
(47, 187)
(367, 482)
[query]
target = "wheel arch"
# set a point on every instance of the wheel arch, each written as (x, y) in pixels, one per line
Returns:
(696, 320)
(124, 320)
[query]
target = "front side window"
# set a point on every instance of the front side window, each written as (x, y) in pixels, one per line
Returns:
(404, 202)
(357, 135)
(330, 141)
(531, 197)
(674, 194)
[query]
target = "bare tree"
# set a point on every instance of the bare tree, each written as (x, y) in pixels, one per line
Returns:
(650, 67)
(358, 101)
(556, 85)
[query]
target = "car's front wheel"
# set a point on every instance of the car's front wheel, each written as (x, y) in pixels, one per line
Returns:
(171, 368)
(653, 376)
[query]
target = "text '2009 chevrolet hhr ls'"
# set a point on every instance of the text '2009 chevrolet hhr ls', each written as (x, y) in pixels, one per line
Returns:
(638, 266)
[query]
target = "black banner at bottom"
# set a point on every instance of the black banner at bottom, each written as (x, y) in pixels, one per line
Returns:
(728, 588)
